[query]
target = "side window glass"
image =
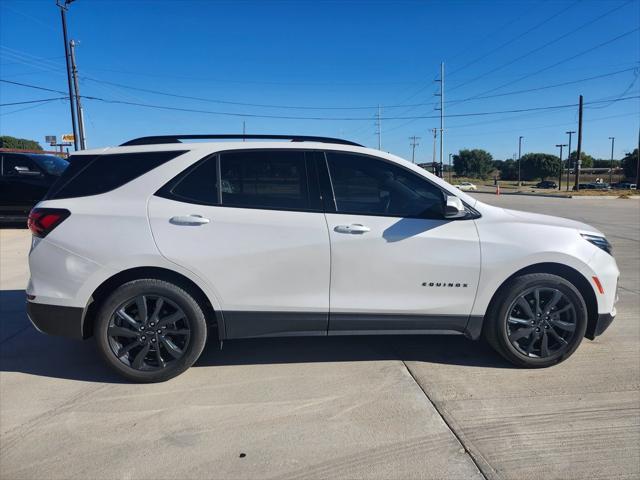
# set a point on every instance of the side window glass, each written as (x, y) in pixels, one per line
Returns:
(200, 185)
(365, 185)
(264, 179)
(19, 166)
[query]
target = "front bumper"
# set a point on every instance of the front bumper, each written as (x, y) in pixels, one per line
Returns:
(56, 319)
(600, 325)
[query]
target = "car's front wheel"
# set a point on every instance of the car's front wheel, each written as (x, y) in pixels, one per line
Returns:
(536, 320)
(150, 330)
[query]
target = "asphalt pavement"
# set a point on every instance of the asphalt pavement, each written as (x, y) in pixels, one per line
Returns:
(439, 407)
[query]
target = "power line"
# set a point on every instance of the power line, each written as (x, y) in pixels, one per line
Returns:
(33, 101)
(240, 114)
(548, 67)
(282, 117)
(359, 107)
(25, 108)
(493, 33)
(518, 37)
(32, 86)
(537, 49)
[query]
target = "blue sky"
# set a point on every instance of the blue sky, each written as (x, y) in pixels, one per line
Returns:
(332, 54)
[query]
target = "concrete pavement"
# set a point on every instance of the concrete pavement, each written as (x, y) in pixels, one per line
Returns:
(370, 407)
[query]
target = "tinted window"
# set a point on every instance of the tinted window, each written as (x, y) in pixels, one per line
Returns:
(14, 165)
(264, 179)
(92, 175)
(200, 185)
(51, 164)
(369, 186)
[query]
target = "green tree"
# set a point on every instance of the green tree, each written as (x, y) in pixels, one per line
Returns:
(473, 163)
(539, 165)
(630, 165)
(587, 160)
(508, 169)
(19, 143)
(604, 163)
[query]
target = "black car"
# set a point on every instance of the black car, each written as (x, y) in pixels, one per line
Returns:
(594, 186)
(547, 184)
(24, 180)
(624, 186)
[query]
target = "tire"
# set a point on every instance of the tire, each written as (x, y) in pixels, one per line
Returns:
(150, 330)
(517, 322)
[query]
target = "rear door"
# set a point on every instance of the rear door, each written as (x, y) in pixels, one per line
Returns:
(250, 223)
(396, 263)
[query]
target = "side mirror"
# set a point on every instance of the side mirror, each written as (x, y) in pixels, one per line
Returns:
(454, 208)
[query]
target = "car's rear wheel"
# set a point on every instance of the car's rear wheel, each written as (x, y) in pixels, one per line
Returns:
(536, 320)
(150, 330)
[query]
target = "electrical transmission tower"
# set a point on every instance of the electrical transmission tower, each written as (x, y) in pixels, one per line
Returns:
(414, 143)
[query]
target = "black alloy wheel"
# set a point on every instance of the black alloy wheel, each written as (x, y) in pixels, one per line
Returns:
(149, 332)
(541, 322)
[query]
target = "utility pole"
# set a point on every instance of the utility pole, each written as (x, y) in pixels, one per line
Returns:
(414, 143)
(76, 88)
(579, 149)
(569, 160)
(379, 129)
(244, 130)
(64, 5)
(441, 95)
(613, 140)
(519, 157)
(450, 167)
(561, 145)
(435, 138)
(638, 161)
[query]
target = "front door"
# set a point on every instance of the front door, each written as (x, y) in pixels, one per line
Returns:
(396, 263)
(251, 224)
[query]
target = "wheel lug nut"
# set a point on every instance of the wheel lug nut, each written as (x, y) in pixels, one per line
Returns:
(152, 324)
(143, 337)
(159, 331)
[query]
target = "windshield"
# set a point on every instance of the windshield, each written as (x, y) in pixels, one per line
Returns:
(51, 164)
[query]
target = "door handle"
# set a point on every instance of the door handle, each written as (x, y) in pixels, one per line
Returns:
(353, 228)
(189, 220)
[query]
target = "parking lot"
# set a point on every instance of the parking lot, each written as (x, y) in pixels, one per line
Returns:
(339, 407)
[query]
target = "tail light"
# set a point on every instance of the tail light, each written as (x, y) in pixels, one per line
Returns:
(43, 220)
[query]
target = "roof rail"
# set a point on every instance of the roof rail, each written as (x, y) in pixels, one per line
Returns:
(176, 139)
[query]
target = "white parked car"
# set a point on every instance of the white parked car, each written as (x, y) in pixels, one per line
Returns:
(153, 246)
(466, 186)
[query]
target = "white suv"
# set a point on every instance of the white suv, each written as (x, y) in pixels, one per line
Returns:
(155, 245)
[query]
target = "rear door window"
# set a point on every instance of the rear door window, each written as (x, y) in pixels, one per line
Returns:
(269, 179)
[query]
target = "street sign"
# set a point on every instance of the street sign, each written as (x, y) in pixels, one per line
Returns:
(51, 139)
(67, 137)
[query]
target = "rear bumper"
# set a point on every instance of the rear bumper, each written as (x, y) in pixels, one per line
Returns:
(56, 319)
(600, 325)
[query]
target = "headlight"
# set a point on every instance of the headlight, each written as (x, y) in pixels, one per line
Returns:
(599, 242)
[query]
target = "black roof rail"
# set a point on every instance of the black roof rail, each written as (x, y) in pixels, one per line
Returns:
(176, 139)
